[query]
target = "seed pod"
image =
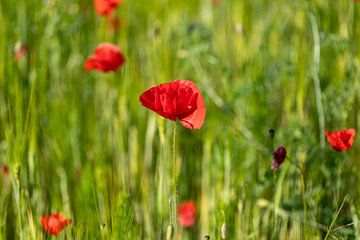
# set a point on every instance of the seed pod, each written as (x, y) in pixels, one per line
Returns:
(223, 231)
(169, 232)
(271, 133)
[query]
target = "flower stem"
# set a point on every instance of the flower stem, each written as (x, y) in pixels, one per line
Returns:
(173, 203)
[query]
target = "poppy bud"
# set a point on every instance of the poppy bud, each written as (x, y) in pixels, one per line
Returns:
(272, 133)
(169, 232)
(278, 158)
(223, 231)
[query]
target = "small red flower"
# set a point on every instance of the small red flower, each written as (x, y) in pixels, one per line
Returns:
(341, 140)
(279, 156)
(54, 223)
(107, 57)
(20, 51)
(187, 213)
(177, 100)
(4, 170)
(215, 2)
(106, 7)
(114, 23)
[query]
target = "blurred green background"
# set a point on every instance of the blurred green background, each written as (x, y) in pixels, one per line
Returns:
(80, 142)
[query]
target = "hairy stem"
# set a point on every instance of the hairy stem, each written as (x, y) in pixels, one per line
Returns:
(173, 199)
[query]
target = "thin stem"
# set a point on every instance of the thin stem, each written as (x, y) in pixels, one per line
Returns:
(274, 235)
(304, 202)
(174, 159)
(334, 218)
(173, 221)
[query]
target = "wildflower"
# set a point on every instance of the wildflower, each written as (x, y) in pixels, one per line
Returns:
(177, 100)
(106, 7)
(278, 158)
(54, 223)
(187, 213)
(107, 57)
(341, 140)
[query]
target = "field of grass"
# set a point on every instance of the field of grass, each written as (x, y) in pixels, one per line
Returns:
(80, 143)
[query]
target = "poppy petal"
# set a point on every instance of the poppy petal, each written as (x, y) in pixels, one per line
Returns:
(196, 119)
(179, 99)
(107, 57)
(341, 140)
(187, 213)
(106, 7)
(54, 223)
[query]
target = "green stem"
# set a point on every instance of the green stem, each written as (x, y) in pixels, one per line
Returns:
(173, 218)
(334, 219)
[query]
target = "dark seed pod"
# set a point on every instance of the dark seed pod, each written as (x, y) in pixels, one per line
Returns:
(271, 133)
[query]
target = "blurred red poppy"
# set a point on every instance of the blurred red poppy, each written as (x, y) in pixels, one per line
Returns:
(279, 156)
(4, 170)
(107, 57)
(215, 2)
(341, 140)
(106, 7)
(177, 100)
(187, 213)
(114, 23)
(54, 223)
(20, 51)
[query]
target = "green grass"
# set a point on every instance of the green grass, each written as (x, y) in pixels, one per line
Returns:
(80, 142)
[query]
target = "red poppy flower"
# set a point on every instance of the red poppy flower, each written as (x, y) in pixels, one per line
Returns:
(54, 223)
(20, 51)
(187, 213)
(5, 170)
(107, 57)
(177, 100)
(106, 7)
(341, 140)
(279, 156)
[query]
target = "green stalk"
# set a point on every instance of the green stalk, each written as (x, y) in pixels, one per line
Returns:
(334, 219)
(173, 198)
(304, 202)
